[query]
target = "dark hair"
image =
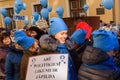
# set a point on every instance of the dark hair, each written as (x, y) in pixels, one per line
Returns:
(38, 31)
(3, 35)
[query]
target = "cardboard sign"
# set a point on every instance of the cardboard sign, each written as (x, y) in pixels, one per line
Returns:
(48, 67)
(19, 17)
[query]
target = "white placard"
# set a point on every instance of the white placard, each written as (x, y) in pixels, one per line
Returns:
(48, 67)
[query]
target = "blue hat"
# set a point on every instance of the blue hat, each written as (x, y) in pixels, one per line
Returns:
(23, 40)
(57, 25)
(79, 36)
(102, 40)
(115, 39)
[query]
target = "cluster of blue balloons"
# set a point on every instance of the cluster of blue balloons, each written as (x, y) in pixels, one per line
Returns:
(7, 19)
(108, 4)
(19, 5)
(44, 13)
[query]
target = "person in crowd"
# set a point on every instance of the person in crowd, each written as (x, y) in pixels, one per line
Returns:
(98, 61)
(85, 26)
(58, 39)
(30, 48)
(12, 65)
(101, 23)
(5, 48)
(12, 36)
(35, 32)
(79, 37)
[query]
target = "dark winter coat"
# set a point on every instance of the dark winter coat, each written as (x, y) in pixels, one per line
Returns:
(4, 50)
(93, 56)
(24, 63)
(49, 43)
(12, 65)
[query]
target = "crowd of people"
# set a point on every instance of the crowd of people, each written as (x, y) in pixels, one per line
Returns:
(93, 55)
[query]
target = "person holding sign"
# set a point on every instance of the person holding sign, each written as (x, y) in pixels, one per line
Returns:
(30, 46)
(59, 41)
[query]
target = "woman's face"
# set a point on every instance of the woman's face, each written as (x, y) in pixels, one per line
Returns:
(7, 41)
(34, 47)
(61, 36)
(33, 33)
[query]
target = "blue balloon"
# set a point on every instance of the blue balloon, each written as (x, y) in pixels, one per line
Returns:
(34, 22)
(19, 5)
(60, 11)
(49, 8)
(4, 12)
(39, 17)
(86, 7)
(8, 20)
(17, 11)
(44, 13)
(26, 22)
(24, 6)
(108, 4)
(44, 2)
(36, 16)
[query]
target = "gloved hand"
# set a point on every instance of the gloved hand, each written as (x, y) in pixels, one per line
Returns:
(62, 48)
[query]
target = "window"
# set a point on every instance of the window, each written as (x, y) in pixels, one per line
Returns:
(100, 11)
(76, 7)
(10, 14)
(37, 8)
(82, 2)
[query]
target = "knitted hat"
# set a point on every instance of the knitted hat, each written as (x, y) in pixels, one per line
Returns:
(79, 36)
(57, 25)
(115, 39)
(102, 40)
(23, 40)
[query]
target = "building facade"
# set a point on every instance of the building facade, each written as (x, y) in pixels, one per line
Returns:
(72, 8)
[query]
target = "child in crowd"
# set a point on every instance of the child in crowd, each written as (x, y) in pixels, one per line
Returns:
(35, 32)
(5, 48)
(79, 37)
(30, 48)
(12, 65)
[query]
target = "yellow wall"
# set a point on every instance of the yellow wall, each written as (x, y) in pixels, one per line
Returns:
(55, 3)
(29, 10)
(93, 4)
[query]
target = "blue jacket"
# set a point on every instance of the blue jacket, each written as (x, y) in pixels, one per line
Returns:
(12, 65)
(72, 74)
